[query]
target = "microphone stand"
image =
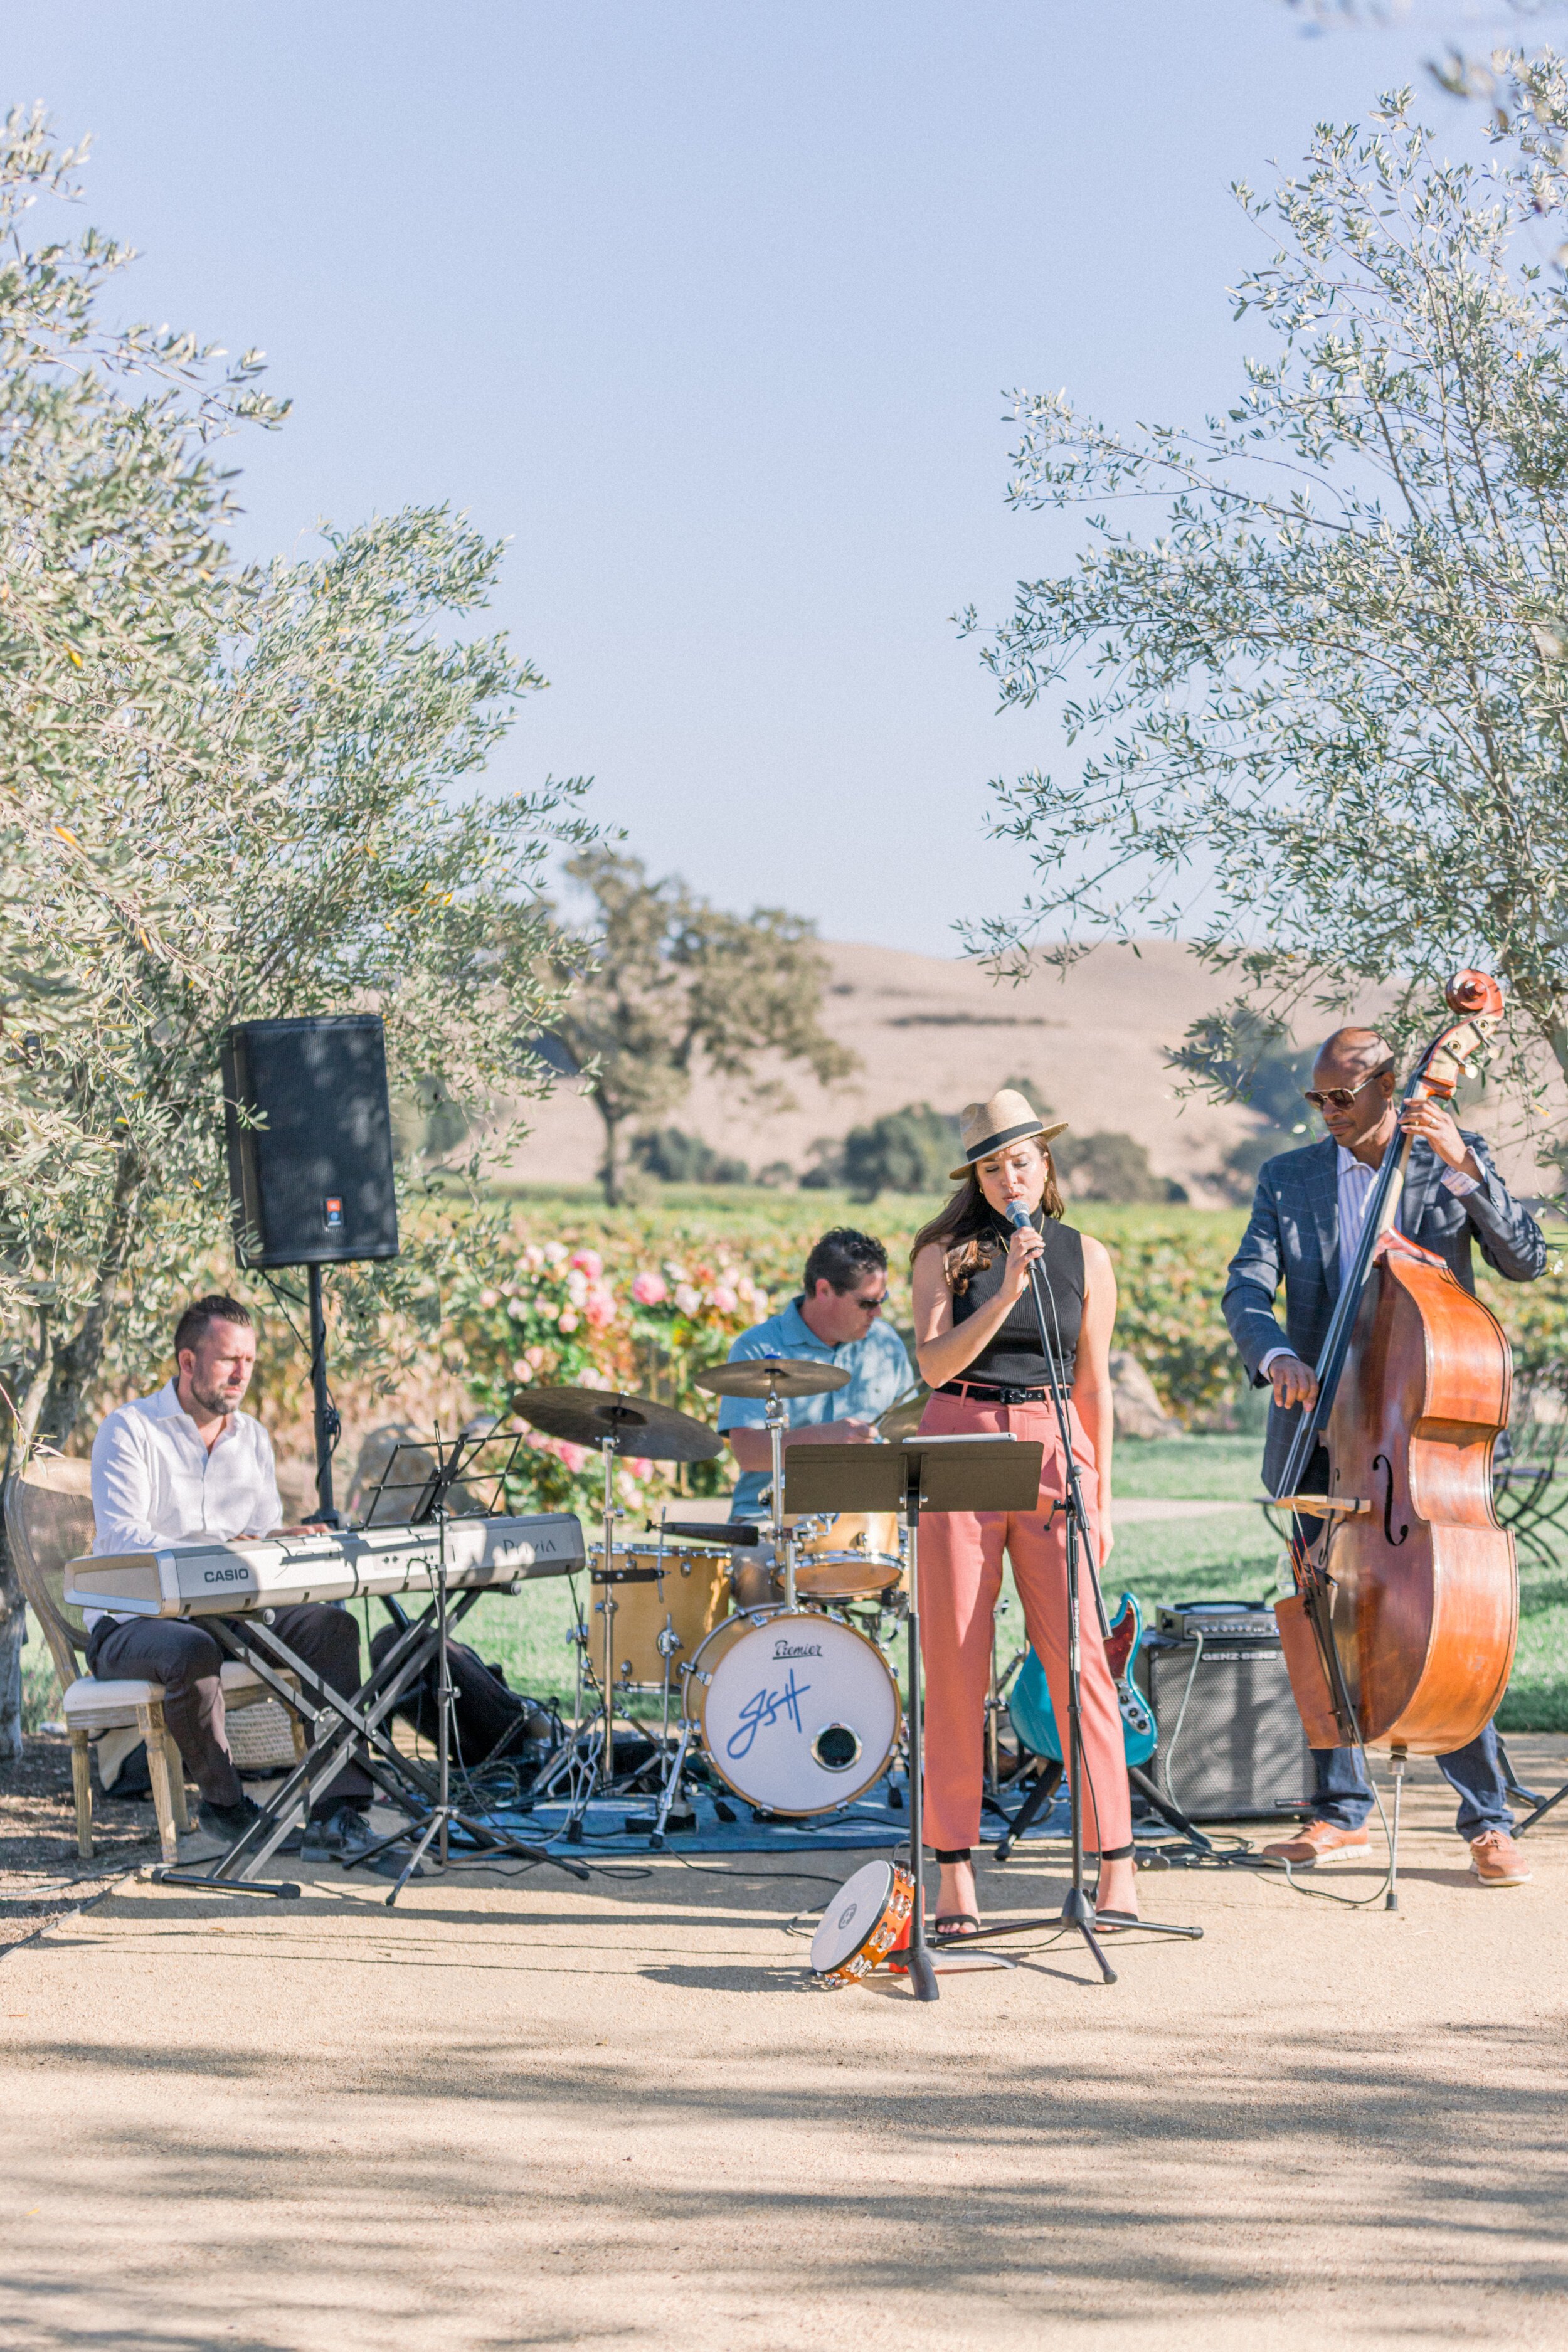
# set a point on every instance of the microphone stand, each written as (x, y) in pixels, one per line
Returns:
(1076, 1910)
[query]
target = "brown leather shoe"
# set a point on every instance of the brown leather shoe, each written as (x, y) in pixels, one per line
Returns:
(1497, 1861)
(1316, 1840)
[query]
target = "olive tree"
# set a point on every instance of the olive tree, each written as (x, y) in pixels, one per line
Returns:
(224, 792)
(1323, 696)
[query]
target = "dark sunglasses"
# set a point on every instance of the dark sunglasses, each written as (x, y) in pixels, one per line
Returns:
(871, 1306)
(1340, 1097)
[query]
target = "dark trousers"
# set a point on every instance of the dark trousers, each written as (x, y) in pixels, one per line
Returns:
(186, 1659)
(1343, 1797)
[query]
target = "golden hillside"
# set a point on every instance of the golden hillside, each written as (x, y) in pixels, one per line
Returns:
(929, 1029)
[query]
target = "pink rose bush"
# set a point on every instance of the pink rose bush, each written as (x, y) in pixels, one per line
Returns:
(550, 1316)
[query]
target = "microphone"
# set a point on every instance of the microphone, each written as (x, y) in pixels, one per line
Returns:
(1017, 1215)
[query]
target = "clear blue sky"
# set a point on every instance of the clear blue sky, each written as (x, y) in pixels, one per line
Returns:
(710, 309)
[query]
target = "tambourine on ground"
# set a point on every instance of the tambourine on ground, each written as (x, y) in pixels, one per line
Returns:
(862, 1924)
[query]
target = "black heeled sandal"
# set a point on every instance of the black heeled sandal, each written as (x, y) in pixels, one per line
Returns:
(1112, 1920)
(953, 1926)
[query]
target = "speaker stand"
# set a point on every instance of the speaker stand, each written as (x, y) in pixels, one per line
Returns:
(325, 1412)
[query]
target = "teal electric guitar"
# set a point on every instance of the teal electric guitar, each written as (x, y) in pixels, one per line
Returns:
(1029, 1701)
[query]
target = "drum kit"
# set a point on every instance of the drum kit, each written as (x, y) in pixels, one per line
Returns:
(765, 1643)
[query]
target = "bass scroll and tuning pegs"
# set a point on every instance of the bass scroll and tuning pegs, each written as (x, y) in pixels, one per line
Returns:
(1475, 994)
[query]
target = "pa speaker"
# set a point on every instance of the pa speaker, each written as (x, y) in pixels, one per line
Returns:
(309, 1162)
(1231, 1742)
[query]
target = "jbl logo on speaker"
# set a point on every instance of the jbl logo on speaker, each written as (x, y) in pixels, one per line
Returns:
(332, 1213)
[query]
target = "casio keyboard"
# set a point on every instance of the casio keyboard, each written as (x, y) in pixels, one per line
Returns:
(239, 1578)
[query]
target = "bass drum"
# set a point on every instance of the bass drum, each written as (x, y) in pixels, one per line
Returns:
(796, 1713)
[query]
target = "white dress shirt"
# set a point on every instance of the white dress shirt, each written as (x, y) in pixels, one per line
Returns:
(1356, 1182)
(155, 1485)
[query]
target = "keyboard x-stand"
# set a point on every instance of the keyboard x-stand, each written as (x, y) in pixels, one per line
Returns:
(227, 1588)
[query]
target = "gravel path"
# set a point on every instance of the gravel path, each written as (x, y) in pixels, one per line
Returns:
(524, 2114)
(41, 1876)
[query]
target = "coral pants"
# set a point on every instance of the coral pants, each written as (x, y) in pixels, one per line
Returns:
(961, 1577)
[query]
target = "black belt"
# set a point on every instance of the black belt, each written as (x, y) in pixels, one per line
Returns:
(991, 1395)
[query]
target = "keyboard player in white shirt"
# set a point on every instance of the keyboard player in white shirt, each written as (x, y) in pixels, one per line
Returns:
(187, 1464)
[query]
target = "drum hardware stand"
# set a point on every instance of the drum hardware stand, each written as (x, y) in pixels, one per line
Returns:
(608, 1451)
(672, 1787)
(994, 1714)
(784, 1549)
(595, 1777)
(784, 1546)
(996, 1708)
(1076, 1910)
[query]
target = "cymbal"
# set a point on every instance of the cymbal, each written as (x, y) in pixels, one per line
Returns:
(763, 1376)
(902, 1418)
(639, 1425)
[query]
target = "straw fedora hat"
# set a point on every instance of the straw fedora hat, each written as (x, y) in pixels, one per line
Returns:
(1006, 1118)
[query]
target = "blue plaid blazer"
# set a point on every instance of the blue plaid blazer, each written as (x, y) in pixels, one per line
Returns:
(1293, 1237)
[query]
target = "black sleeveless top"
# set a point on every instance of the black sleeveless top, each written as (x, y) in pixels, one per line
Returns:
(1010, 1357)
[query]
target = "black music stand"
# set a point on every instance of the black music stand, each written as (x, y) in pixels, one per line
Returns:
(921, 1473)
(440, 1468)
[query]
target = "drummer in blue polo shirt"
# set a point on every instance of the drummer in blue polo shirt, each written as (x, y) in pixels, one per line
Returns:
(837, 1320)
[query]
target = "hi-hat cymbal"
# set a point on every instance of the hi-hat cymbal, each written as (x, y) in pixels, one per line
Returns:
(639, 1425)
(903, 1419)
(764, 1376)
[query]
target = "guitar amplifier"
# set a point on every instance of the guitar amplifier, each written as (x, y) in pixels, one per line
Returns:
(1231, 1742)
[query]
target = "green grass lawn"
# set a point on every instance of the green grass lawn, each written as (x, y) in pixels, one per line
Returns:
(1234, 1555)
(1189, 1469)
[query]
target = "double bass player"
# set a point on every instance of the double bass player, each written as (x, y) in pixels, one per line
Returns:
(1307, 1218)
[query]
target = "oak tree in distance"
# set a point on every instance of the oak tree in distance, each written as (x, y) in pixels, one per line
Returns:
(675, 980)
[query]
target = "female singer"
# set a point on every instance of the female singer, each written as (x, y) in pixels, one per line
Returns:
(978, 1340)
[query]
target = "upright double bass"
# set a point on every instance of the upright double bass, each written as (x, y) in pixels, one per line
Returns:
(1401, 1630)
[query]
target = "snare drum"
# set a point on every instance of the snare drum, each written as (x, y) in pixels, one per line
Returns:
(796, 1712)
(849, 1557)
(660, 1607)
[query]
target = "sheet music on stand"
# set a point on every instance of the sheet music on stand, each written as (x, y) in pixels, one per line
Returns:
(438, 1473)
